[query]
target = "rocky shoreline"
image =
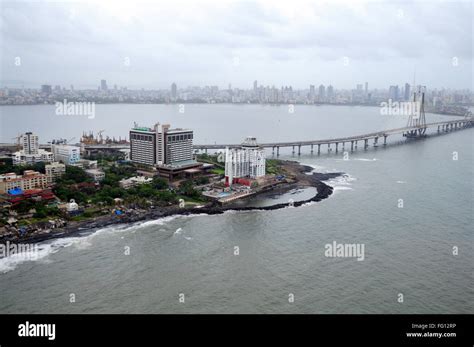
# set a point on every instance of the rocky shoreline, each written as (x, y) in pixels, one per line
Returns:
(299, 172)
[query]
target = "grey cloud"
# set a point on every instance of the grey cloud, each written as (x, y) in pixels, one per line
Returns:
(198, 43)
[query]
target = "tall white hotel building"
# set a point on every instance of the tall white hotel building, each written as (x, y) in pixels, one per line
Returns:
(245, 162)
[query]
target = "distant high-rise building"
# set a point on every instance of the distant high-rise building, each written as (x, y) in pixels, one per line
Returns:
(322, 93)
(393, 93)
(255, 86)
(330, 93)
(312, 92)
(359, 87)
(407, 92)
(103, 85)
(366, 88)
(174, 91)
(46, 89)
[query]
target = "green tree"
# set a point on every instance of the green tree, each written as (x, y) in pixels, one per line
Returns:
(159, 183)
(187, 188)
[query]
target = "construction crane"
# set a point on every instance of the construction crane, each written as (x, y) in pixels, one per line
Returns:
(17, 139)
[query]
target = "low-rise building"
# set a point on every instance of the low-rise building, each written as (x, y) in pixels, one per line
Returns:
(86, 164)
(23, 158)
(134, 181)
(54, 171)
(29, 180)
(66, 154)
(96, 174)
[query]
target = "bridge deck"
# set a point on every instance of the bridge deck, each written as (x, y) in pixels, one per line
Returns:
(340, 139)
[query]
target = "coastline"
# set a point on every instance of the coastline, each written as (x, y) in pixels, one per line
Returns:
(302, 180)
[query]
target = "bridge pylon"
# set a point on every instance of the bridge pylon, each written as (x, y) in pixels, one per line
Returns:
(417, 117)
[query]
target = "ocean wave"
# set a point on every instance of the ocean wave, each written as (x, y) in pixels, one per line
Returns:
(365, 159)
(342, 182)
(42, 250)
(320, 169)
(39, 252)
(356, 159)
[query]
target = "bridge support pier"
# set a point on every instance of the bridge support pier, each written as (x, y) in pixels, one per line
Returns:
(366, 143)
(438, 129)
(356, 142)
(329, 147)
(299, 149)
(273, 151)
(376, 141)
(319, 149)
(293, 152)
(337, 144)
(205, 151)
(312, 149)
(385, 140)
(278, 151)
(352, 146)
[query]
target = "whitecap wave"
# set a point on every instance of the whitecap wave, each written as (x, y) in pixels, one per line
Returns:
(42, 250)
(342, 182)
(366, 159)
(319, 169)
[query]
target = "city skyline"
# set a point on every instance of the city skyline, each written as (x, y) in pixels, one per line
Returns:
(103, 85)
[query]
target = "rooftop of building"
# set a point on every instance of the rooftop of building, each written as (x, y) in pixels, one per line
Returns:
(178, 130)
(94, 171)
(26, 174)
(250, 141)
(55, 164)
(180, 165)
(147, 129)
(137, 179)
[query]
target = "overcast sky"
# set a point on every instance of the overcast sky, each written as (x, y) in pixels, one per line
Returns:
(152, 44)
